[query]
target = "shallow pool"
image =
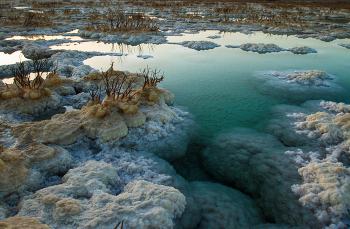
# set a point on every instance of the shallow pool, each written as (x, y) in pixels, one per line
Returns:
(217, 85)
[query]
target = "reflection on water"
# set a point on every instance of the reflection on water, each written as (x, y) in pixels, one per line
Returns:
(107, 47)
(6, 59)
(31, 77)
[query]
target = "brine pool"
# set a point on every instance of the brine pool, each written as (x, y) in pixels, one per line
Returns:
(217, 85)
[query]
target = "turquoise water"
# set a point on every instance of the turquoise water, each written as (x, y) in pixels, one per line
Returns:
(217, 85)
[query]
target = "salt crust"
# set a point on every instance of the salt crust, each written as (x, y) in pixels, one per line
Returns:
(255, 163)
(329, 125)
(84, 200)
(298, 86)
(326, 190)
(22, 223)
(133, 166)
(199, 45)
(302, 50)
(70, 63)
(261, 48)
(22, 170)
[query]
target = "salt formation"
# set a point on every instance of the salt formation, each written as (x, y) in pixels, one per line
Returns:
(330, 125)
(256, 164)
(122, 109)
(323, 128)
(199, 45)
(70, 63)
(298, 85)
(85, 199)
(302, 50)
(36, 96)
(22, 223)
(325, 190)
(259, 47)
(22, 170)
(345, 45)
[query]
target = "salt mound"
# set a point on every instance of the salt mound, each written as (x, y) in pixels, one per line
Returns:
(298, 86)
(84, 199)
(224, 207)
(256, 164)
(326, 190)
(199, 45)
(261, 47)
(302, 50)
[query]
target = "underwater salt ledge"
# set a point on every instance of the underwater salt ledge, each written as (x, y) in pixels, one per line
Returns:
(311, 166)
(311, 84)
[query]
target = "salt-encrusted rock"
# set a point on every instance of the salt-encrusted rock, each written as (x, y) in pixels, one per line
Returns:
(302, 50)
(261, 48)
(22, 223)
(298, 86)
(223, 207)
(21, 170)
(85, 199)
(345, 45)
(199, 45)
(255, 163)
